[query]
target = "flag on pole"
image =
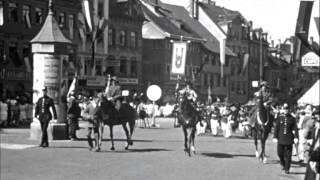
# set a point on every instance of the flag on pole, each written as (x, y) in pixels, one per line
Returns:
(209, 95)
(73, 85)
(86, 11)
(27, 20)
(27, 63)
(222, 54)
(179, 57)
(245, 62)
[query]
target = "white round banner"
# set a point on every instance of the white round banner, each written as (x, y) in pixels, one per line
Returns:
(154, 92)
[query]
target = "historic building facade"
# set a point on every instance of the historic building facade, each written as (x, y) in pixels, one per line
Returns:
(245, 42)
(20, 21)
(118, 49)
(168, 23)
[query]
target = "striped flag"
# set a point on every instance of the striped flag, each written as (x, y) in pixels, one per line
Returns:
(86, 11)
(245, 63)
(73, 85)
(27, 63)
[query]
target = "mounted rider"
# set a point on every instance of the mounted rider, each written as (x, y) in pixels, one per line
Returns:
(113, 92)
(189, 92)
(264, 94)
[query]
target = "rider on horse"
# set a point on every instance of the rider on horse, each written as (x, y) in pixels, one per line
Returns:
(189, 92)
(113, 92)
(264, 99)
(264, 94)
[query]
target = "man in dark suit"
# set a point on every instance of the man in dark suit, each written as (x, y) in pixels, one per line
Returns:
(284, 136)
(42, 112)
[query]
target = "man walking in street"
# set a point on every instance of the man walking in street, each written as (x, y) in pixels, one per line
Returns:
(285, 134)
(42, 112)
(73, 113)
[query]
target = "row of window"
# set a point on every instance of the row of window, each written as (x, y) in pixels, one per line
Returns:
(239, 88)
(125, 38)
(13, 55)
(25, 14)
(214, 80)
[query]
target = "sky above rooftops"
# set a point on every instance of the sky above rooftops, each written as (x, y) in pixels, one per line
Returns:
(277, 17)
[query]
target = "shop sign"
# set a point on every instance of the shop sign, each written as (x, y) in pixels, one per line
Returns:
(130, 81)
(310, 59)
(96, 81)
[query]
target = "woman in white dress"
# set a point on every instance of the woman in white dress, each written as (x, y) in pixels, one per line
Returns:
(23, 113)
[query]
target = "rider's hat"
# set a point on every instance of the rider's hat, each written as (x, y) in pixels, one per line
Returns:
(114, 78)
(264, 83)
(188, 82)
(45, 89)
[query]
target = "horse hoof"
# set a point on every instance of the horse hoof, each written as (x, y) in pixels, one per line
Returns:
(264, 161)
(257, 154)
(131, 143)
(126, 148)
(112, 148)
(98, 149)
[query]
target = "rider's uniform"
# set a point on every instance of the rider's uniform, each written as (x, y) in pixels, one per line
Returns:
(190, 93)
(114, 94)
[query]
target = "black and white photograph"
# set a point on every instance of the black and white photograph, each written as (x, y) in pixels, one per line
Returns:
(159, 90)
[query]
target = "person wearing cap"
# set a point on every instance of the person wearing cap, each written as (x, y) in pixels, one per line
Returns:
(42, 112)
(113, 92)
(285, 135)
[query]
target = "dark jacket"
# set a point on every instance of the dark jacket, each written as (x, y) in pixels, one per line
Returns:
(283, 131)
(74, 111)
(43, 108)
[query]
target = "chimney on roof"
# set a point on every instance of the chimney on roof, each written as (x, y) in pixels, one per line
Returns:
(194, 8)
(272, 43)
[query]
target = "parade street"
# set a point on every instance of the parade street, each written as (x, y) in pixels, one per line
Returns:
(157, 153)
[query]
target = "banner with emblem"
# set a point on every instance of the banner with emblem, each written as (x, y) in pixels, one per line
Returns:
(179, 57)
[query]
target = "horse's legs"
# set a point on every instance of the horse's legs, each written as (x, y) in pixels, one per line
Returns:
(101, 128)
(111, 137)
(97, 138)
(263, 147)
(131, 126)
(255, 138)
(124, 125)
(185, 133)
(192, 137)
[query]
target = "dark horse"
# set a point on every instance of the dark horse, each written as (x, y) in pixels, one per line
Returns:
(111, 117)
(188, 117)
(262, 124)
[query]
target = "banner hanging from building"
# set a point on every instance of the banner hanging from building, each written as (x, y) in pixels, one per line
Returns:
(179, 57)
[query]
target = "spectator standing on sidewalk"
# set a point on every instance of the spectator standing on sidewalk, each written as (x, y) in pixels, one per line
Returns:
(285, 134)
(15, 113)
(23, 112)
(313, 164)
(42, 112)
(3, 112)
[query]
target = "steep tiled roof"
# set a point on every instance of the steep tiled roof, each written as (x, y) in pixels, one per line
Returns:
(275, 62)
(218, 14)
(164, 21)
(190, 24)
